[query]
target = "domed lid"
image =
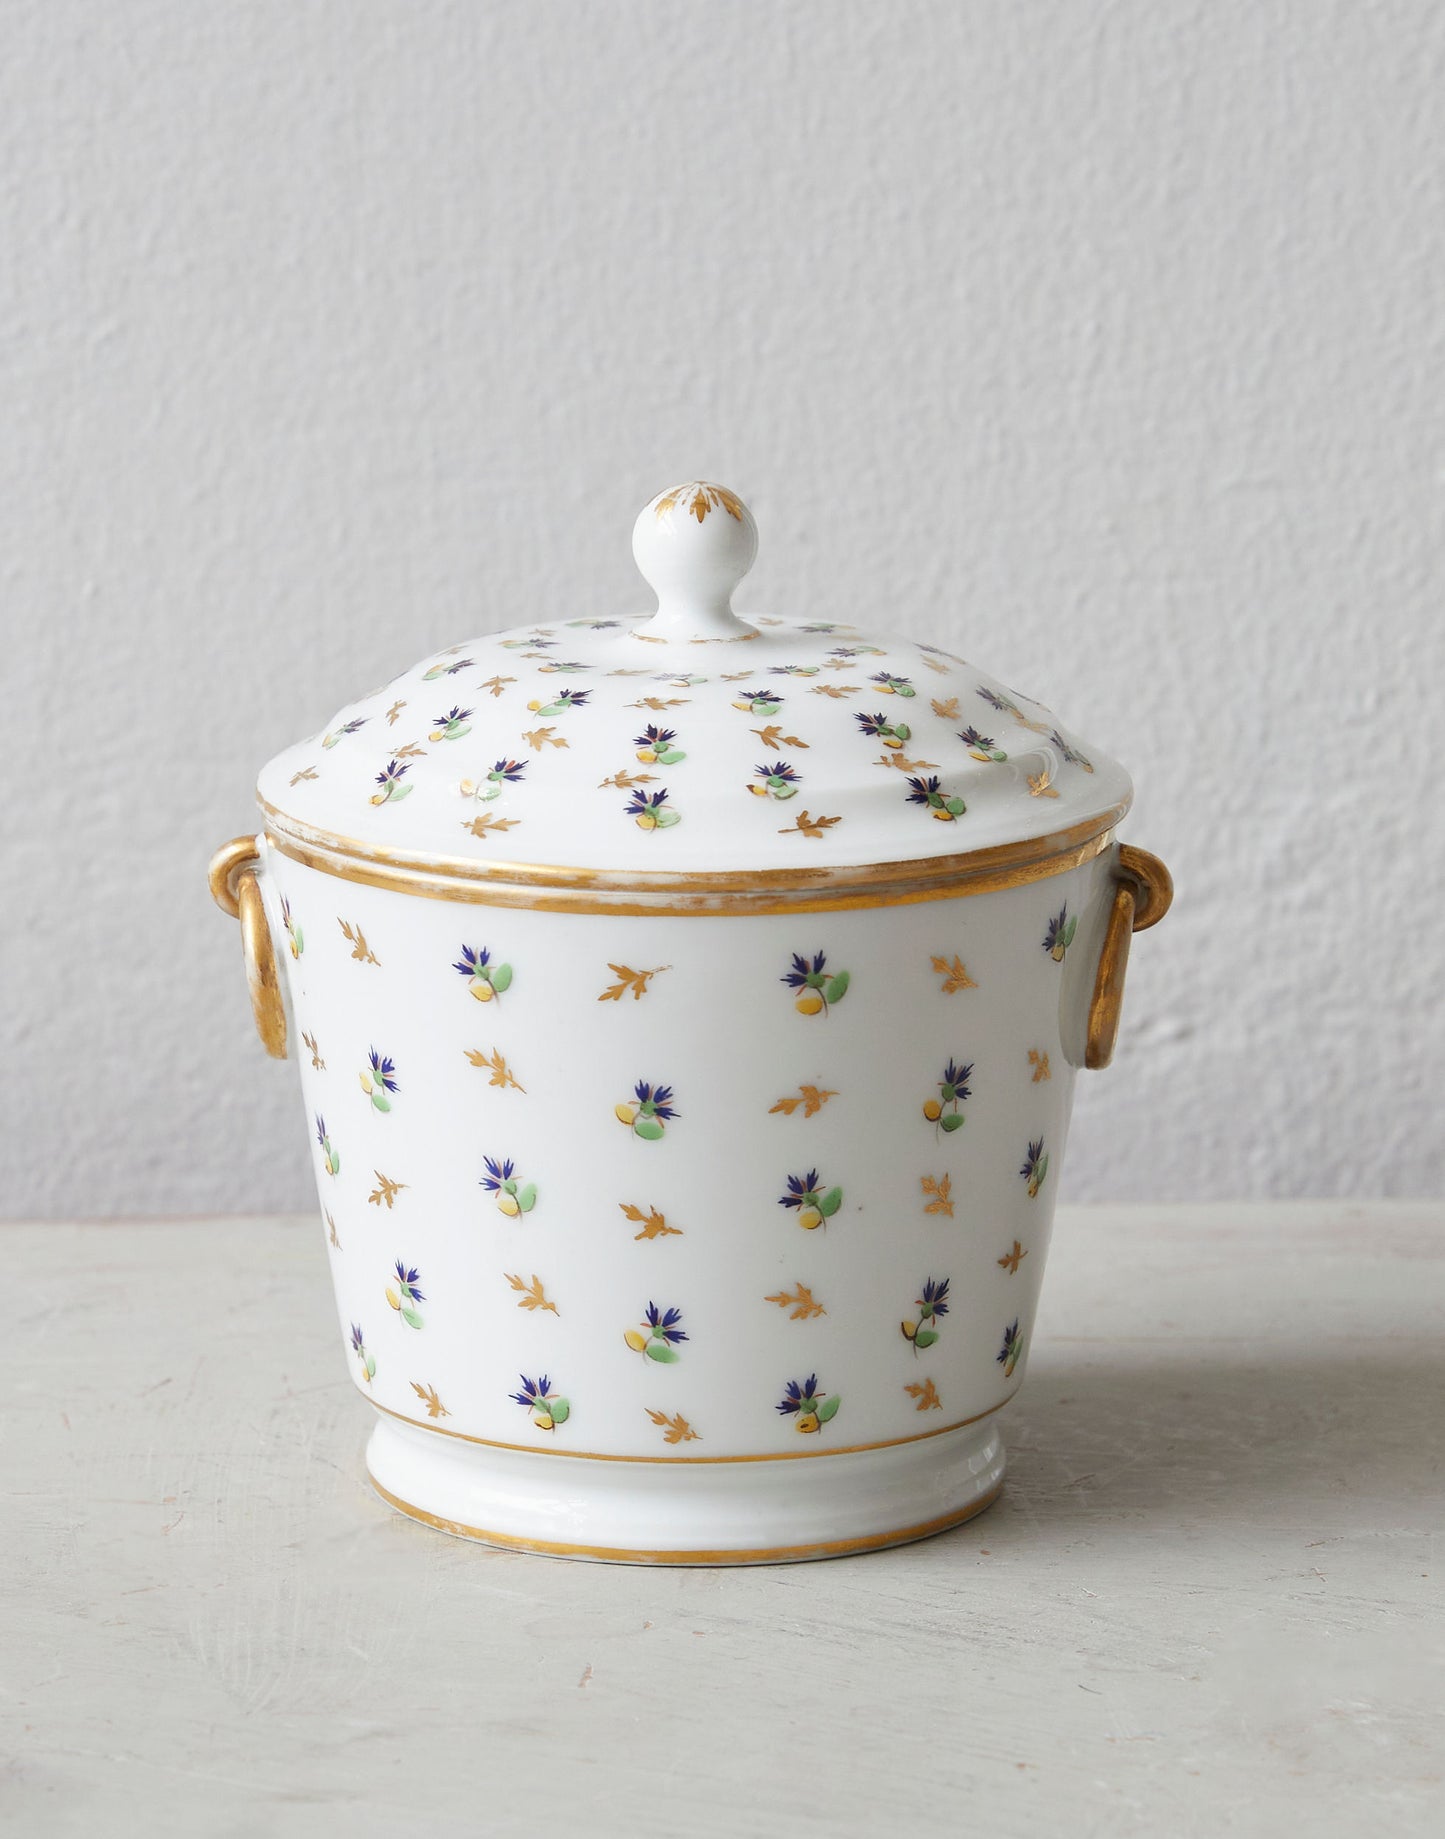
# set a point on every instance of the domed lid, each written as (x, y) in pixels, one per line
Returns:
(689, 740)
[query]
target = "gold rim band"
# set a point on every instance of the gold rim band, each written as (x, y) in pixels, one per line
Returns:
(587, 1455)
(793, 890)
(762, 1554)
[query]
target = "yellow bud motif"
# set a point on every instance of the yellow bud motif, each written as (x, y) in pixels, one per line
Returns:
(809, 1003)
(932, 1110)
(635, 1339)
(508, 1204)
(393, 1297)
(810, 1219)
(625, 1113)
(808, 1423)
(543, 1421)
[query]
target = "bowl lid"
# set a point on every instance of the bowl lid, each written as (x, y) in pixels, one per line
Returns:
(690, 739)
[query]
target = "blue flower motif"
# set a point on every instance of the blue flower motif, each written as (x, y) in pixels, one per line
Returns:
(383, 1071)
(407, 1279)
(799, 1397)
(663, 1323)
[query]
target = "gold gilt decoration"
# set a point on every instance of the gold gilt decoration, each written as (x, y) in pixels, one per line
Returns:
(809, 826)
(925, 1396)
(496, 684)
(772, 738)
(811, 1098)
(360, 950)
(1013, 1258)
(654, 1225)
(955, 977)
(628, 979)
(544, 737)
(1041, 784)
(534, 1294)
(948, 708)
(411, 752)
(385, 1192)
(835, 690)
(803, 1305)
(1040, 1063)
(675, 1428)
(317, 1062)
(428, 1396)
(658, 703)
(698, 499)
(392, 713)
(488, 825)
(494, 1063)
(943, 670)
(903, 764)
(941, 1192)
(331, 1230)
(307, 772)
(624, 781)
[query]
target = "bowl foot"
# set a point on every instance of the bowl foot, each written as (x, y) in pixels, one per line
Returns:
(689, 1512)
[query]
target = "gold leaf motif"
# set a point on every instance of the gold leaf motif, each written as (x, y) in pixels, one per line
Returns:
(544, 737)
(360, 950)
(675, 1429)
(486, 824)
(628, 979)
(1011, 1260)
(955, 977)
(496, 1065)
(331, 1230)
(315, 1052)
(1040, 1063)
(837, 664)
(654, 1225)
(657, 702)
(625, 781)
(392, 713)
(704, 498)
(811, 1098)
(534, 1295)
(640, 671)
(772, 737)
(307, 772)
(800, 1301)
(903, 764)
(648, 638)
(1041, 784)
(926, 1395)
(948, 710)
(808, 825)
(411, 752)
(942, 669)
(496, 684)
(942, 1192)
(428, 1396)
(835, 690)
(385, 1191)
(735, 676)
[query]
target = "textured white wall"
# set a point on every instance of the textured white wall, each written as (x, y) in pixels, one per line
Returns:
(1101, 342)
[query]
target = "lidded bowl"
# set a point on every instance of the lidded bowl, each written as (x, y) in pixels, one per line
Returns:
(687, 1009)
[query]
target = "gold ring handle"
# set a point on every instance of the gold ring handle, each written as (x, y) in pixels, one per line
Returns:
(1143, 891)
(234, 887)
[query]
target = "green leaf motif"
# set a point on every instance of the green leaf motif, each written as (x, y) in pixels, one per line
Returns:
(559, 1410)
(410, 1317)
(838, 987)
(954, 1121)
(830, 1203)
(380, 1100)
(1069, 931)
(829, 1408)
(370, 1367)
(648, 1129)
(502, 978)
(925, 1337)
(661, 1351)
(527, 1198)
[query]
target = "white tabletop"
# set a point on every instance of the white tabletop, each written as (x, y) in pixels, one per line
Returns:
(1207, 1602)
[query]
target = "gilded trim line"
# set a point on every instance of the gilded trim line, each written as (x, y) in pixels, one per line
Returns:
(765, 1554)
(584, 1455)
(792, 890)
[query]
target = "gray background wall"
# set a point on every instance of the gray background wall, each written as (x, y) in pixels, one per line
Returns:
(1102, 343)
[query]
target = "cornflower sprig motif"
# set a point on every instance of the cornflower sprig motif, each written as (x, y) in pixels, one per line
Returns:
(659, 1334)
(652, 811)
(1059, 935)
(503, 773)
(891, 685)
(358, 1347)
(561, 702)
(953, 1091)
(981, 746)
(758, 702)
(452, 726)
(813, 1204)
(1035, 1168)
(513, 1196)
(1013, 1346)
(404, 1293)
(328, 1154)
(378, 1081)
(932, 1306)
(390, 780)
(447, 670)
(548, 1411)
(780, 780)
(817, 987)
(891, 734)
(655, 746)
(812, 1409)
(651, 1112)
(485, 980)
(929, 793)
(330, 740)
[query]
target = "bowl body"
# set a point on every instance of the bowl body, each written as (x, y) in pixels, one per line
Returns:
(688, 1236)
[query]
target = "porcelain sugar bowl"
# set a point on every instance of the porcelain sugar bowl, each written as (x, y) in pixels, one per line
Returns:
(687, 1009)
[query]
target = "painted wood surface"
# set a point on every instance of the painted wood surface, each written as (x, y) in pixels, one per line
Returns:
(1208, 1601)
